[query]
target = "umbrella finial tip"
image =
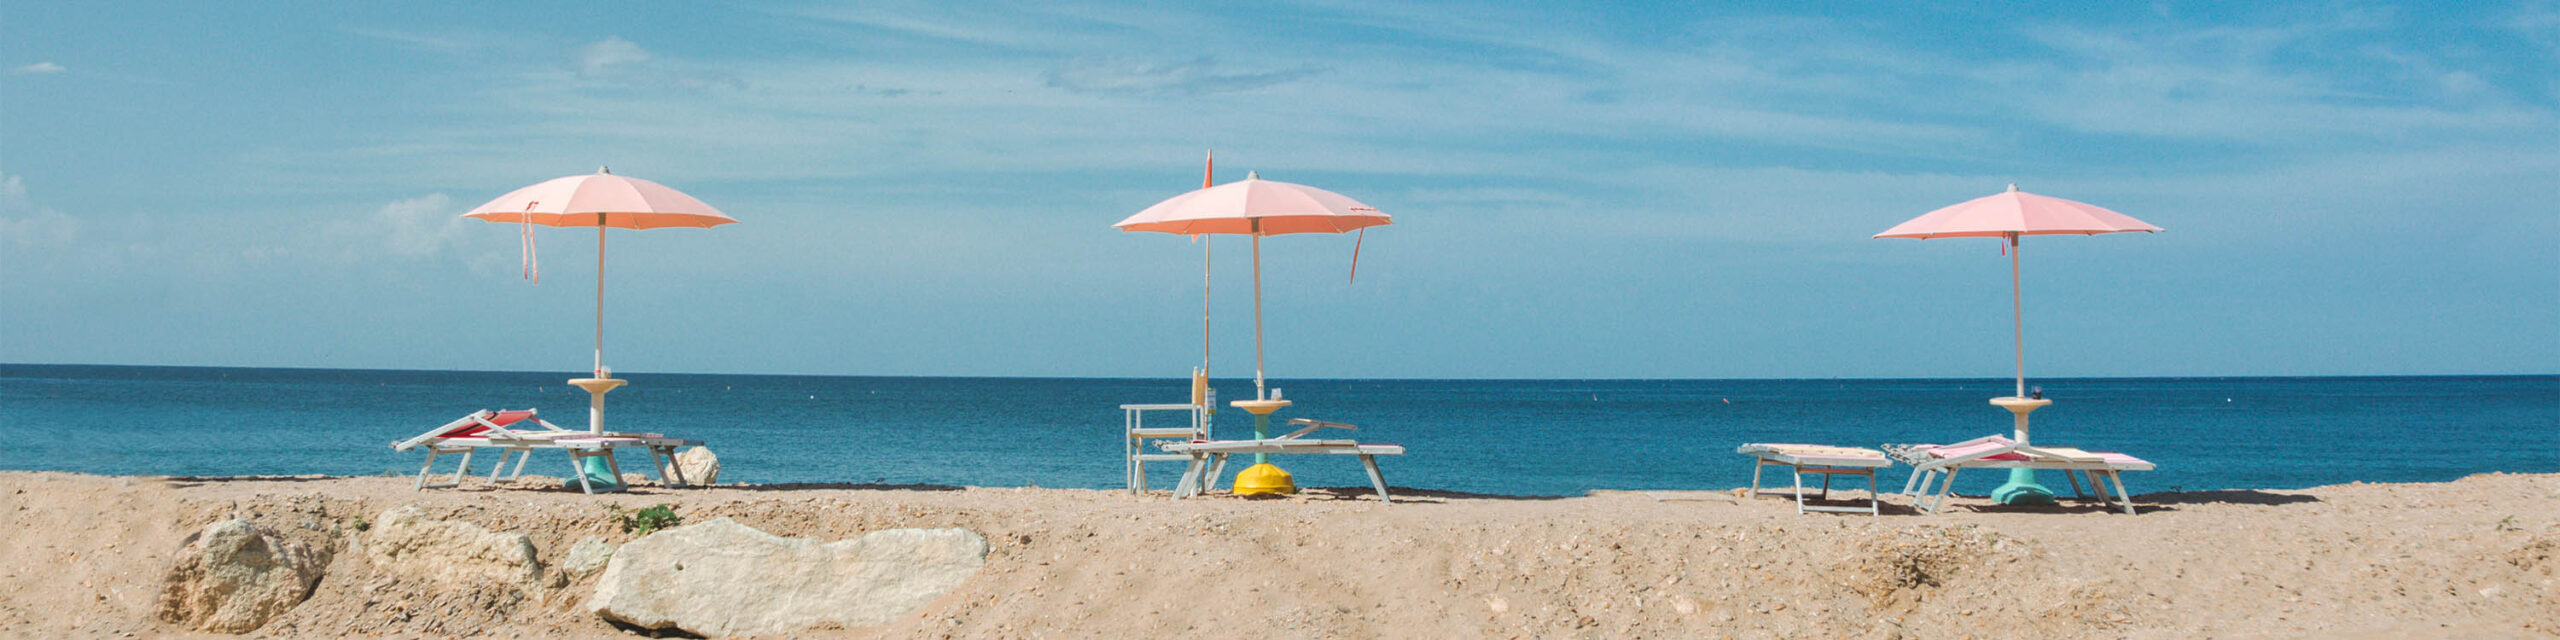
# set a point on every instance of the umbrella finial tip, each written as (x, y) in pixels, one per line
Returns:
(1253, 175)
(604, 170)
(2013, 187)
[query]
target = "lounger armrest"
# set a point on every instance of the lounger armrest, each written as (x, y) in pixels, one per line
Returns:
(1312, 426)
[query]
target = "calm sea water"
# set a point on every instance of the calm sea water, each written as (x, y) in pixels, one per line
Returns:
(1521, 437)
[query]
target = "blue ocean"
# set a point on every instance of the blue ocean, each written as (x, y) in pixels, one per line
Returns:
(1512, 437)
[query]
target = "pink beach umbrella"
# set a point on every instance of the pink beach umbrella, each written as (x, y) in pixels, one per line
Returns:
(1256, 207)
(598, 200)
(2009, 215)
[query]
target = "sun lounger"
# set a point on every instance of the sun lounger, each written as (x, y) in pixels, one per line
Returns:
(1211, 455)
(522, 432)
(1823, 460)
(2102, 468)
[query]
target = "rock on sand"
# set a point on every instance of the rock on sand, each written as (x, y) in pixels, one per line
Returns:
(699, 464)
(233, 577)
(721, 578)
(405, 542)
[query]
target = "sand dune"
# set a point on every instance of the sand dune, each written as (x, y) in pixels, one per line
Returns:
(2480, 557)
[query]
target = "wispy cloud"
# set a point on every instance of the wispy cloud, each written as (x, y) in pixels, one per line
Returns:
(415, 41)
(417, 227)
(601, 56)
(1198, 76)
(26, 225)
(624, 62)
(45, 68)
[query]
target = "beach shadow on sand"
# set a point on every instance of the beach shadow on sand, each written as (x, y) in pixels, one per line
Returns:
(850, 486)
(2225, 496)
(182, 482)
(1401, 495)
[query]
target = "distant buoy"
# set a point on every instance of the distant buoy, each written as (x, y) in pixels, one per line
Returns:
(1728, 401)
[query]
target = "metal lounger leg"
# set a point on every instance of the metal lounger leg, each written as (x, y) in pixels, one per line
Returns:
(1875, 505)
(1190, 483)
(2118, 481)
(422, 469)
(465, 468)
(519, 472)
(682, 480)
(1757, 465)
(1910, 486)
(1799, 472)
(615, 467)
(658, 466)
(499, 468)
(2076, 493)
(1944, 490)
(1217, 469)
(1375, 480)
(578, 469)
(1826, 486)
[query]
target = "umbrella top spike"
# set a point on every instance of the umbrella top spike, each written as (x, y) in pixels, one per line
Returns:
(606, 171)
(2013, 187)
(1253, 175)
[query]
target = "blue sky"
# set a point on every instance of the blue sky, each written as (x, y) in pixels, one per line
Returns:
(1619, 191)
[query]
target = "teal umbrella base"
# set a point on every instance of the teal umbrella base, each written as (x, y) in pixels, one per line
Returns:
(596, 473)
(2022, 490)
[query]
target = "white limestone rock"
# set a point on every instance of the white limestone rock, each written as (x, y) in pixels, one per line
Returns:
(233, 577)
(721, 578)
(587, 556)
(406, 543)
(699, 464)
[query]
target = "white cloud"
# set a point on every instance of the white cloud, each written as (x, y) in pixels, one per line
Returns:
(38, 69)
(25, 225)
(417, 42)
(601, 56)
(1199, 76)
(417, 227)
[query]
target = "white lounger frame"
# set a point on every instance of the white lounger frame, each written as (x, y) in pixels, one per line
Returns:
(580, 445)
(2099, 471)
(1825, 466)
(1133, 447)
(1212, 456)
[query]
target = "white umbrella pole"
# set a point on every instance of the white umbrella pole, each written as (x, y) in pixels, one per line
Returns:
(1207, 253)
(599, 369)
(1258, 393)
(2017, 316)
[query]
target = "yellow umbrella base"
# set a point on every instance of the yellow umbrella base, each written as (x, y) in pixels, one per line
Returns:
(1264, 478)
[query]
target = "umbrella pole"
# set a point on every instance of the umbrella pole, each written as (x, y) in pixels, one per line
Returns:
(1208, 253)
(1258, 393)
(2017, 316)
(2021, 487)
(599, 368)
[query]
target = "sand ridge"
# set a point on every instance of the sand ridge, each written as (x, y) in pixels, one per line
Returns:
(2479, 557)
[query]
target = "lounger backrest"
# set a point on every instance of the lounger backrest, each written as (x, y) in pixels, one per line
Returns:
(465, 427)
(505, 418)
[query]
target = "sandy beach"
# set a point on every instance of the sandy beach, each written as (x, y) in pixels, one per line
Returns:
(2480, 557)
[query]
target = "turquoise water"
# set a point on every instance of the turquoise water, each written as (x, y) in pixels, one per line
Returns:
(1520, 437)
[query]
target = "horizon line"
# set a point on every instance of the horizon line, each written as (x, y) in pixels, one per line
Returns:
(1329, 379)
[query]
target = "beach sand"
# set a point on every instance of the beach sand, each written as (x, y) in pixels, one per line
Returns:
(85, 556)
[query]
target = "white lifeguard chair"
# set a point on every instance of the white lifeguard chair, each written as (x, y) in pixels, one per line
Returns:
(1204, 401)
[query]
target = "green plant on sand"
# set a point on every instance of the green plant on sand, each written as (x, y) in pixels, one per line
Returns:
(645, 521)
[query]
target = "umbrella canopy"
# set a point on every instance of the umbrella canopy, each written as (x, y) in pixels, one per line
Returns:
(601, 199)
(2016, 213)
(2009, 215)
(1256, 207)
(598, 200)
